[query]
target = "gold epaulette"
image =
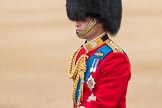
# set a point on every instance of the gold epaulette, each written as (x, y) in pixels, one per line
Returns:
(114, 46)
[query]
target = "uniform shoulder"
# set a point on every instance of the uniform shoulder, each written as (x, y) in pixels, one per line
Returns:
(115, 48)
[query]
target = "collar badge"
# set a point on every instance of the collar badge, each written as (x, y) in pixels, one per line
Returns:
(93, 44)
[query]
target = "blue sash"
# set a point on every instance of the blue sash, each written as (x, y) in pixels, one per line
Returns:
(90, 63)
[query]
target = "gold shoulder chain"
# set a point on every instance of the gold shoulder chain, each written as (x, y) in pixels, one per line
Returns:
(71, 72)
(76, 71)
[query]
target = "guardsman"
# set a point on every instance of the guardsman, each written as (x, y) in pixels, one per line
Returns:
(100, 69)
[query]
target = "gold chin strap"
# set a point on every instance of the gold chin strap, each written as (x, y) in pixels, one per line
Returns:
(90, 25)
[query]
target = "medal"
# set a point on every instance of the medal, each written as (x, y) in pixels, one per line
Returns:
(91, 83)
(94, 65)
(92, 69)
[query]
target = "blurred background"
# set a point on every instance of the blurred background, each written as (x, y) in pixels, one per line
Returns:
(36, 42)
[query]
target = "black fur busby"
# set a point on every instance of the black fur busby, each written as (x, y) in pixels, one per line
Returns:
(109, 12)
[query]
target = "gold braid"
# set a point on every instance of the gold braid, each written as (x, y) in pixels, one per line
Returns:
(76, 71)
(90, 25)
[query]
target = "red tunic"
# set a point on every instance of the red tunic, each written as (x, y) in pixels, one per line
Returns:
(111, 78)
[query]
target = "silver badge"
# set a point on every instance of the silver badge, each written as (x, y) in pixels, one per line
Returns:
(91, 98)
(91, 83)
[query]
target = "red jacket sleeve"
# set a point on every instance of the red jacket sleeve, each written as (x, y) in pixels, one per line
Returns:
(113, 81)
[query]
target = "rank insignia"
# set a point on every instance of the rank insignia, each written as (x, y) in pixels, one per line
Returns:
(94, 65)
(99, 54)
(91, 83)
(91, 98)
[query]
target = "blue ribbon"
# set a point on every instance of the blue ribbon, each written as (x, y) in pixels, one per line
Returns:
(105, 50)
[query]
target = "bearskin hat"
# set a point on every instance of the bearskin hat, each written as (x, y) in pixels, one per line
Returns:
(108, 12)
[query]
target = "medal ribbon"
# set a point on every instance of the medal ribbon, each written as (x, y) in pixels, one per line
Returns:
(105, 50)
